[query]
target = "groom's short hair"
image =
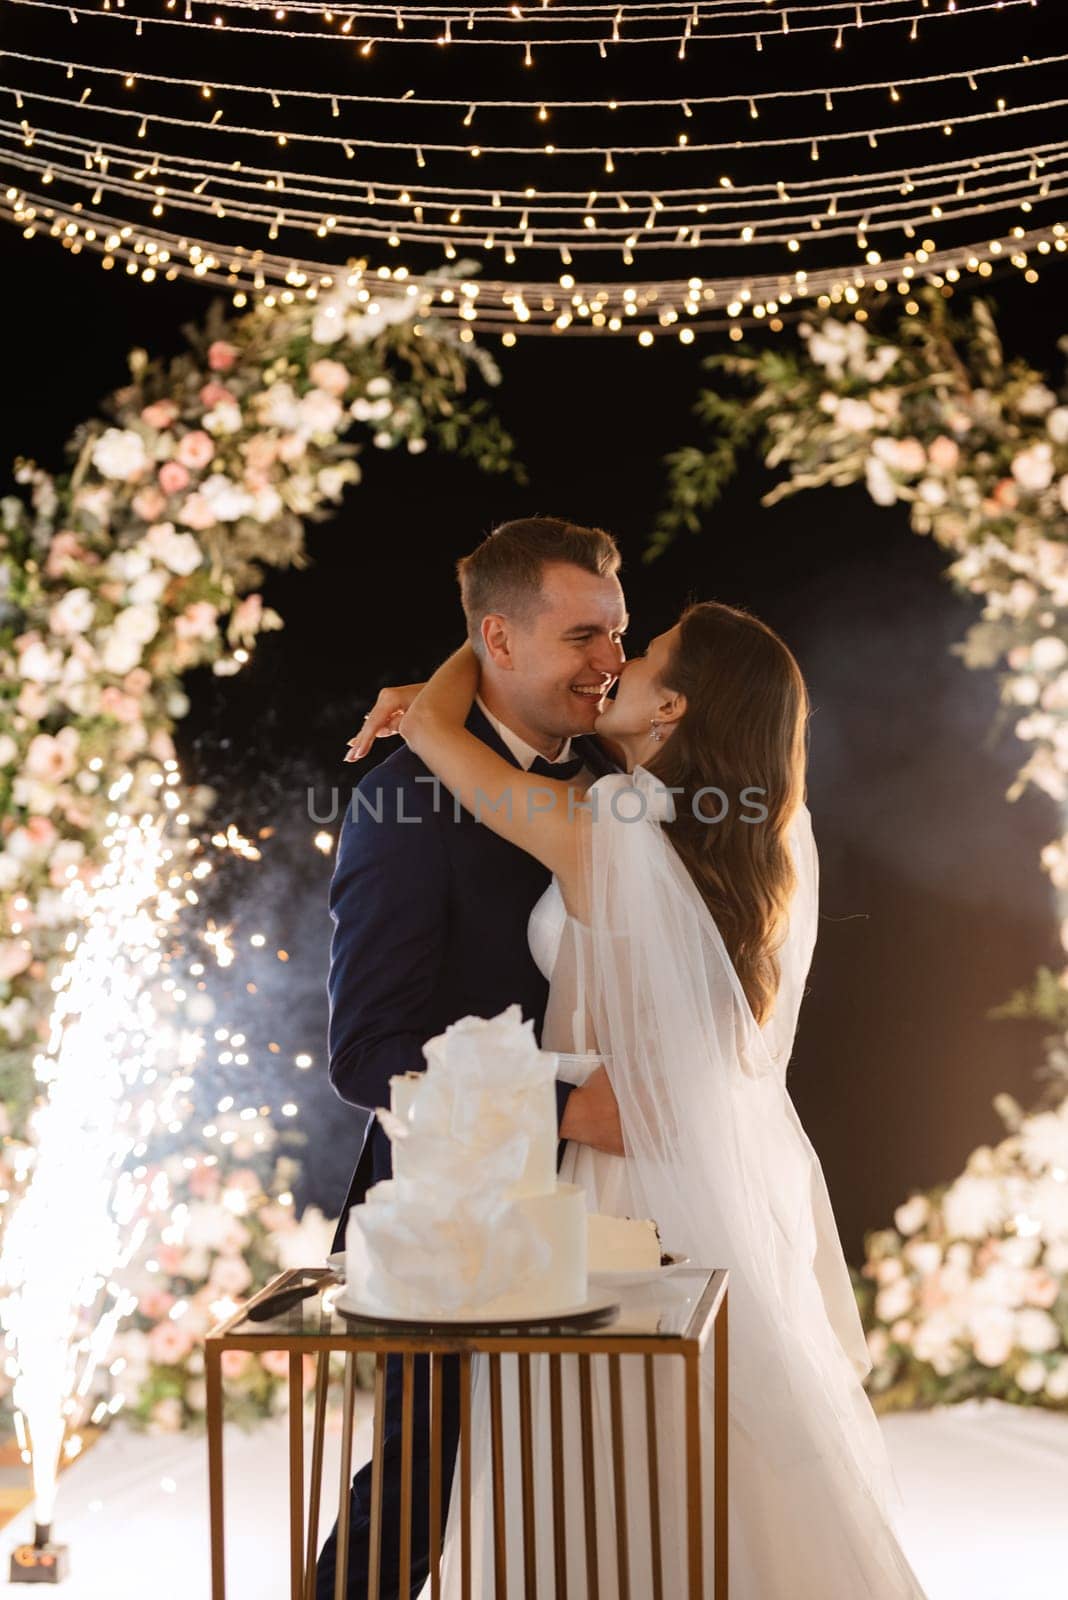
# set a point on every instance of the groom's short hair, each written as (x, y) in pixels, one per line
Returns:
(504, 573)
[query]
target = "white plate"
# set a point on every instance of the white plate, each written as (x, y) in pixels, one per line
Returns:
(632, 1279)
(594, 1304)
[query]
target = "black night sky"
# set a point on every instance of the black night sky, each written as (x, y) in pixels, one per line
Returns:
(934, 905)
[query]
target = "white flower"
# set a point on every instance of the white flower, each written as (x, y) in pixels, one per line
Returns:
(380, 315)
(227, 500)
(856, 415)
(279, 407)
(50, 759)
(121, 654)
(925, 1255)
(416, 446)
(328, 323)
(1044, 1139)
(1036, 400)
(38, 664)
(1057, 1381)
(147, 590)
(331, 482)
(267, 503)
(384, 441)
(120, 453)
(911, 1216)
(179, 552)
(1048, 1204)
(900, 455)
(15, 1018)
(881, 485)
(993, 1334)
(138, 622)
(1036, 1331)
(73, 613)
(360, 408)
(1031, 1377)
(880, 362)
(1062, 492)
(1048, 653)
(936, 1341)
(836, 345)
(379, 386)
(129, 564)
(319, 413)
(8, 749)
(223, 418)
(931, 492)
(207, 1226)
(1033, 468)
(973, 1207)
(1057, 425)
(893, 1301)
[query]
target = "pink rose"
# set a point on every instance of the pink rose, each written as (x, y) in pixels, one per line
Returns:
(234, 1362)
(155, 1303)
(261, 452)
(195, 449)
(247, 616)
(222, 355)
(64, 552)
(204, 1182)
(42, 832)
(173, 477)
(1006, 494)
(137, 682)
(197, 513)
(213, 394)
(199, 620)
(14, 958)
(1041, 1288)
(123, 707)
(168, 1343)
(230, 1275)
(944, 453)
(160, 414)
(329, 375)
(148, 503)
(169, 1257)
(291, 447)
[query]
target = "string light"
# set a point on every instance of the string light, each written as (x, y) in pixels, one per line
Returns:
(582, 18)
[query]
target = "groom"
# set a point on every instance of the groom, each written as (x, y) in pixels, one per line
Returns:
(430, 914)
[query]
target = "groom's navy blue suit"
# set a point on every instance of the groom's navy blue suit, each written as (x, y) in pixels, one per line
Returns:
(430, 913)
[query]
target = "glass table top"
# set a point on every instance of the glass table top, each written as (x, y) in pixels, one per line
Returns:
(674, 1306)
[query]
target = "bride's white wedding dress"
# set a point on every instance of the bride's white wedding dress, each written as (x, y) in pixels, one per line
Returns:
(718, 1157)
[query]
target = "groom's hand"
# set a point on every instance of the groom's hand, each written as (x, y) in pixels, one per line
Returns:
(591, 1115)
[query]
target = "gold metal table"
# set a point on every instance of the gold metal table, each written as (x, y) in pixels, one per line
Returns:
(682, 1315)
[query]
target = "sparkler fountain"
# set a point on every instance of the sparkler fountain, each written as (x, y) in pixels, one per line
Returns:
(113, 1073)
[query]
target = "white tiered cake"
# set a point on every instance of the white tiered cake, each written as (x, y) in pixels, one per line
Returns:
(473, 1226)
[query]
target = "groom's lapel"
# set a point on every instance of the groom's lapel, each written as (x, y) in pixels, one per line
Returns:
(594, 756)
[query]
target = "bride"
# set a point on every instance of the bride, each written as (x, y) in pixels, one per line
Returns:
(677, 933)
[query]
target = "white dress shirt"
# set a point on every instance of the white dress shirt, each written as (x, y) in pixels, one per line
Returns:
(525, 754)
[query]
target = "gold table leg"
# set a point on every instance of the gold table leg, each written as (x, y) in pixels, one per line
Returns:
(653, 1462)
(526, 1446)
(465, 1477)
(315, 1488)
(213, 1381)
(619, 1476)
(722, 1551)
(694, 1531)
(589, 1481)
(436, 1374)
(374, 1547)
(500, 1547)
(296, 1475)
(344, 1508)
(556, 1425)
(404, 1583)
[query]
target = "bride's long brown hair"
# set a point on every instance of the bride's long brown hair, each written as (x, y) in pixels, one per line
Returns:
(745, 727)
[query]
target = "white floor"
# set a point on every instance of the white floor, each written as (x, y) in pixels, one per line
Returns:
(985, 1517)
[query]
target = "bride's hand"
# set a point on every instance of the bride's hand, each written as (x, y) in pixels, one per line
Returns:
(384, 718)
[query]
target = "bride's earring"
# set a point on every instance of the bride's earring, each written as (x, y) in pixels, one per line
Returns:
(654, 731)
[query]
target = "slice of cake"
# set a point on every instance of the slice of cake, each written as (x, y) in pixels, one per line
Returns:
(622, 1244)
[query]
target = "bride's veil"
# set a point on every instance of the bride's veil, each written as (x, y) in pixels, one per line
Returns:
(718, 1157)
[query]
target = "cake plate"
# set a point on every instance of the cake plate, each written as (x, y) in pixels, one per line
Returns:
(598, 1308)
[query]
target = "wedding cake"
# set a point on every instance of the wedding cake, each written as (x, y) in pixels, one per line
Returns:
(473, 1226)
